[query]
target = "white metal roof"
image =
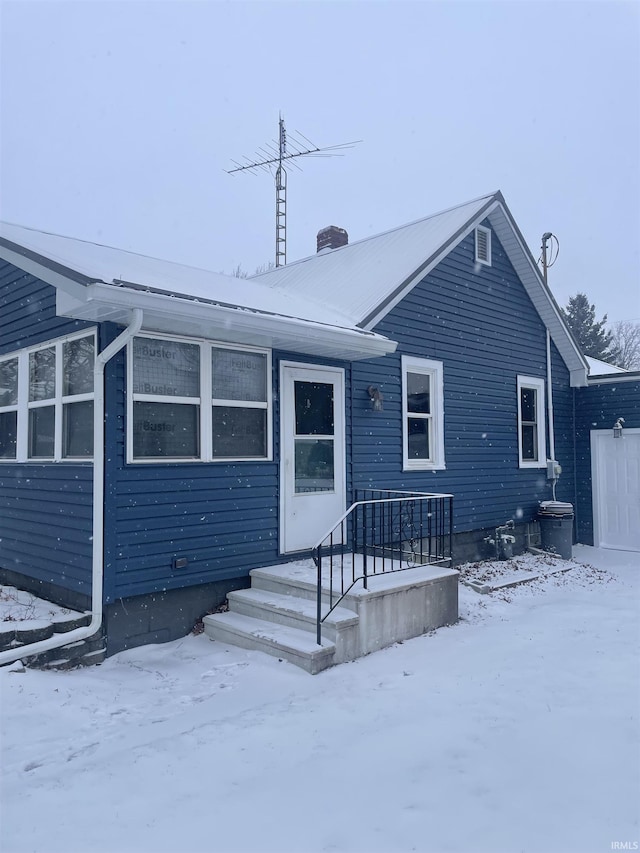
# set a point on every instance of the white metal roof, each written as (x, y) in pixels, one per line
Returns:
(351, 288)
(601, 368)
(96, 262)
(358, 278)
(366, 279)
(99, 283)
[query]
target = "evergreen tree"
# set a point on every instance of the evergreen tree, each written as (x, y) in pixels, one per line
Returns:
(591, 334)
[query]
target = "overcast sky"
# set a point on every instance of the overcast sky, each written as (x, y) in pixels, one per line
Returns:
(118, 120)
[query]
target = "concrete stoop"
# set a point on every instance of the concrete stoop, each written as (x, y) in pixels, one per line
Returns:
(277, 615)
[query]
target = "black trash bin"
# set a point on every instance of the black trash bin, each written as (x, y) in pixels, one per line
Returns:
(556, 528)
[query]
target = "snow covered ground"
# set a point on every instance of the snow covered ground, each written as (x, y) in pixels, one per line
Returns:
(517, 729)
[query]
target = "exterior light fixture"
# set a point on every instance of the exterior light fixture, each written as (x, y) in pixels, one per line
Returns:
(376, 398)
(617, 428)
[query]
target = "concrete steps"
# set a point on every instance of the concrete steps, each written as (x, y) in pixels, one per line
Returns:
(289, 610)
(278, 613)
(297, 646)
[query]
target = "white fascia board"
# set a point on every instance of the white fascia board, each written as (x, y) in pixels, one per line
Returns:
(164, 313)
(614, 378)
(539, 293)
(429, 265)
(507, 232)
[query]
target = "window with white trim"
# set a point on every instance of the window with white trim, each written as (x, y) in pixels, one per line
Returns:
(8, 407)
(422, 414)
(532, 451)
(483, 245)
(198, 401)
(46, 401)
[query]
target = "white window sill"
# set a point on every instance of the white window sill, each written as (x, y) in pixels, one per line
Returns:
(427, 467)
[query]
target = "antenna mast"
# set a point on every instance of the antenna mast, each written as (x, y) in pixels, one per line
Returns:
(271, 157)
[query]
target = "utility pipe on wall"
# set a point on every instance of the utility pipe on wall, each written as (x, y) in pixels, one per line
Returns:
(552, 443)
(97, 567)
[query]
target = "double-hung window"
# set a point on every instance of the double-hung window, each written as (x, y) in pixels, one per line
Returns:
(8, 407)
(46, 401)
(531, 428)
(422, 414)
(239, 404)
(198, 401)
(166, 399)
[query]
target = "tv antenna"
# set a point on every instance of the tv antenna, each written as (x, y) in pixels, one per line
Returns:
(271, 156)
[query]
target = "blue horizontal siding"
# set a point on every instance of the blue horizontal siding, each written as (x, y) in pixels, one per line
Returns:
(45, 509)
(28, 311)
(223, 517)
(598, 407)
(46, 523)
(481, 324)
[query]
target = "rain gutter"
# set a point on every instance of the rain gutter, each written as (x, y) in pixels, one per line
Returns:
(97, 567)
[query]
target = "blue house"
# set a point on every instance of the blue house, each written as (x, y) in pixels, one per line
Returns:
(165, 431)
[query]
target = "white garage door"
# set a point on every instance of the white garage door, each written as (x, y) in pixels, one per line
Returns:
(615, 467)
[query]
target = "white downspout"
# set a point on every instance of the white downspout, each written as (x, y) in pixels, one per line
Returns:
(552, 443)
(65, 638)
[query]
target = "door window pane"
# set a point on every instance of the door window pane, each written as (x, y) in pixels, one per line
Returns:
(239, 433)
(9, 382)
(165, 430)
(418, 438)
(78, 358)
(418, 393)
(166, 368)
(8, 434)
(314, 471)
(77, 439)
(314, 408)
(41, 432)
(239, 375)
(42, 374)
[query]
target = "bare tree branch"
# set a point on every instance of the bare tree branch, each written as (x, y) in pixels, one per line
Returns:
(625, 344)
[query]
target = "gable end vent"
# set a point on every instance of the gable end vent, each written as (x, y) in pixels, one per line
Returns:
(483, 246)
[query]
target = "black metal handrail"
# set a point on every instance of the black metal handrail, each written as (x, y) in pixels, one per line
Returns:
(383, 531)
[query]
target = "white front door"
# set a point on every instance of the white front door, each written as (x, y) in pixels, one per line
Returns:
(312, 454)
(615, 467)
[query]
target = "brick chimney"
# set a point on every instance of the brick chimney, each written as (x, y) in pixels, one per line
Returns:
(332, 237)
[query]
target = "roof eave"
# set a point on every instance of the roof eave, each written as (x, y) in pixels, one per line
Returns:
(523, 262)
(405, 286)
(47, 270)
(173, 315)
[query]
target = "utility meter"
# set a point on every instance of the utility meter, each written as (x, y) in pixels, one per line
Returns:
(554, 469)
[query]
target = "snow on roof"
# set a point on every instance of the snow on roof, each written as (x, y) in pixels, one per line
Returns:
(356, 279)
(601, 368)
(351, 287)
(106, 264)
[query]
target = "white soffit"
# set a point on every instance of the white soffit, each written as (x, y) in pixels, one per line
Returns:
(173, 315)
